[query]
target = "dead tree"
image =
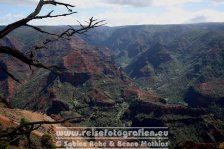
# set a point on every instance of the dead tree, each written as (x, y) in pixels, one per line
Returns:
(30, 60)
(27, 128)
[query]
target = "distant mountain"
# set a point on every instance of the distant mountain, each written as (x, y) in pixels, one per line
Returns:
(129, 41)
(168, 58)
(92, 83)
(107, 70)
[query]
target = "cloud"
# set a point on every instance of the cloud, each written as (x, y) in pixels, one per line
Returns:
(211, 15)
(198, 19)
(173, 2)
(68, 20)
(84, 3)
(135, 3)
(148, 3)
(119, 17)
(218, 1)
(172, 15)
(9, 18)
(130, 12)
(100, 3)
(21, 2)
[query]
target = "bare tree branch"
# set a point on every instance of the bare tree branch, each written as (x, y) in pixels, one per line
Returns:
(9, 74)
(40, 47)
(27, 128)
(30, 126)
(40, 30)
(93, 23)
(33, 15)
(19, 55)
(52, 16)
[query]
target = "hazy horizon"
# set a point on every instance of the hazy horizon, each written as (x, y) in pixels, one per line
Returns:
(120, 13)
(131, 24)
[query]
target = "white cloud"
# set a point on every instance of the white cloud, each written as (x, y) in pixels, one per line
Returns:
(173, 2)
(135, 3)
(20, 2)
(68, 20)
(118, 17)
(172, 15)
(211, 15)
(9, 18)
(100, 3)
(198, 19)
(218, 1)
(115, 12)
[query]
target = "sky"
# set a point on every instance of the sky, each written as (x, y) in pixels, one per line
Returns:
(119, 12)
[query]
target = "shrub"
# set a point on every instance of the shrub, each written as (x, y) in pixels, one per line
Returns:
(46, 141)
(4, 144)
(24, 121)
(1, 127)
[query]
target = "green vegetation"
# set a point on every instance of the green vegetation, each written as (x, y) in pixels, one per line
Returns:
(4, 144)
(30, 89)
(195, 52)
(24, 121)
(46, 141)
(166, 60)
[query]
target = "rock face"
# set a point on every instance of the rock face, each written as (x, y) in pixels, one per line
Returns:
(167, 58)
(13, 66)
(99, 98)
(179, 119)
(192, 144)
(144, 64)
(135, 92)
(97, 91)
(11, 42)
(206, 94)
(75, 79)
(91, 83)
(57, 106)
(91, 79)
(148, 107)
